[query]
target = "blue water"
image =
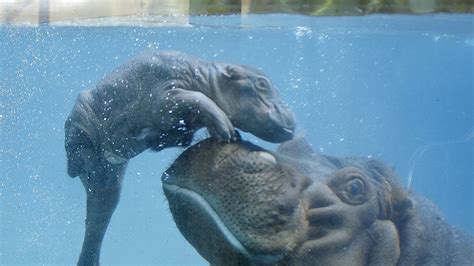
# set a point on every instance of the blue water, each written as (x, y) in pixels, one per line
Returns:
(376, 86)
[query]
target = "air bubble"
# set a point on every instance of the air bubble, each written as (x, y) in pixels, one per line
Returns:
(166, 176)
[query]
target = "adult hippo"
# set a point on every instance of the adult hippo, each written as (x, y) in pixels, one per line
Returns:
(239, 204)
(159, 100)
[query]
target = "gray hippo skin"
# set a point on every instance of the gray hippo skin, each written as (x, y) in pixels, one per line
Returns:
(159, 100)
(239, 204)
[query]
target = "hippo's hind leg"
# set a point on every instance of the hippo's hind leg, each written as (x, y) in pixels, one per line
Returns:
(103, 183)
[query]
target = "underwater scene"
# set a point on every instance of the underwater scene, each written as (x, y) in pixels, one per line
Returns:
(397, 88)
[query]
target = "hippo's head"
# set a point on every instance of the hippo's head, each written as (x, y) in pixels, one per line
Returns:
(239, 204)
(252, 103)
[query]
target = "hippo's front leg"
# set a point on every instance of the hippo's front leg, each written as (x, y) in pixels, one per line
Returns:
(177, 104)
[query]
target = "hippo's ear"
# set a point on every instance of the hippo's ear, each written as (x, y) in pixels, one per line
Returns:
(233, 72)
(297, 147)
(394, 201)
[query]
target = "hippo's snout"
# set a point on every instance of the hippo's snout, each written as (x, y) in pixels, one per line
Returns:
(204, 191)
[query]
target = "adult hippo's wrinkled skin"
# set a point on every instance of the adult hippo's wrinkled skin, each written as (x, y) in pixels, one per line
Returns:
(156, 101)
(239, 204)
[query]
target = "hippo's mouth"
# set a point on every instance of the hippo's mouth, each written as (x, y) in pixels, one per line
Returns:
(279, 134)
(206, 212)
(287, 133)
(274, 133)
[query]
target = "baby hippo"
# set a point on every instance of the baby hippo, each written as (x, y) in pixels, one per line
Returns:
(156, 101)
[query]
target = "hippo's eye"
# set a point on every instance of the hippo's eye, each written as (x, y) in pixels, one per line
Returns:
(353, 191)
(262, 84)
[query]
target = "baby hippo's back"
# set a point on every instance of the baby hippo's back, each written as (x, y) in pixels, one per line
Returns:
(121, 99)
(134, 83)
